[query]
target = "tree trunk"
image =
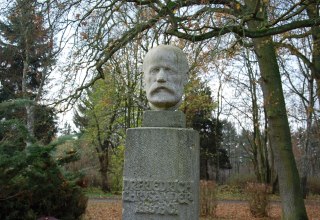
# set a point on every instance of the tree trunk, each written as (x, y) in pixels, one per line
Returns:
(29, 107)
(259, 147)
(313, 13)
(289, 184)
(104, 166)
(307, 139)
(30, 119)
(293, 207)
(204, 169)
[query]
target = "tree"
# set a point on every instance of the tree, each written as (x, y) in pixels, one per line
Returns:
(207, 20)
(198, 105)
(303, 46)
(101, 114)
(109, 109)
(211, 151)
(229, 141)
(257, 135)
(32, 184)
(25, 57)
(197, 99)
(278, 121)
(313, 13)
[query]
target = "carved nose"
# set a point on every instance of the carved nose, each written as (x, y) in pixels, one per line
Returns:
(161, 76)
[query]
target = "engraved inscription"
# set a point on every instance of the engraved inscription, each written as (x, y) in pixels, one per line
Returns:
(157, 197)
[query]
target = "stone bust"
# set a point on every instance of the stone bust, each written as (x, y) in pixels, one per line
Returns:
(165, 70)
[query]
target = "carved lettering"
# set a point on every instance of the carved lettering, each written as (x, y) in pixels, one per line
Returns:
(157, 197)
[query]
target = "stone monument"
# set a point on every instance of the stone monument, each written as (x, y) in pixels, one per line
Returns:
(161, 167)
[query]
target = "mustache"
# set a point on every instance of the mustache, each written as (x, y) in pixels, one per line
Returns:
(166, 86)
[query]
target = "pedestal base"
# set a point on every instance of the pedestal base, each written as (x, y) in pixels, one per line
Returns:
(161, 174)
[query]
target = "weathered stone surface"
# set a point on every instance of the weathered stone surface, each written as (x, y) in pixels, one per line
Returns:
(165, 70)
(174, 119)
(161, 174)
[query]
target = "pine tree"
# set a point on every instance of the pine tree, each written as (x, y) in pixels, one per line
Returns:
(32, 183)
(25, 57)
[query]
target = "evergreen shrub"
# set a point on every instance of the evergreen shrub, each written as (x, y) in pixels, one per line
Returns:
(32, 184)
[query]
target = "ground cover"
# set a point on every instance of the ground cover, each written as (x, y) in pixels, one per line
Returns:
(231, 202)
(110, 209)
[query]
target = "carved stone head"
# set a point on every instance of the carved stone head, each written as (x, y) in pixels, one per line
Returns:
(165, 70)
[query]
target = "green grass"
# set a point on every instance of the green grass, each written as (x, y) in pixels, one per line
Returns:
(94, 192)
(226, 192)
(314, 197)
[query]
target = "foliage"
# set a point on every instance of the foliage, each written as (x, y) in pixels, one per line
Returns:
(258, 198)
(45, 119)
(150, 22)
(94, 192)
(210, 144)
(240, 181)
(229, 192)
(87, 162)
(102, 123)
(25, 59)
(24, 41)
(198, 105)
(256, 151)
(110, 107)
(197, 100)
(45, 124)
(116, 169)
(251, 23)
(306, 144)
(32, 183)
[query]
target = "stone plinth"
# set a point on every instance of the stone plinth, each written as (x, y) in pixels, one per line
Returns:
(161, 171)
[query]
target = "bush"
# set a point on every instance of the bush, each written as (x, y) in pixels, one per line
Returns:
(258, 195)
(208, 201)
(314, 185)
(32, 185)
(87, 163)
(240, 181)
(229, 189)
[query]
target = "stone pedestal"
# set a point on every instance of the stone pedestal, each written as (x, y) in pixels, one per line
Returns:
(161, 169)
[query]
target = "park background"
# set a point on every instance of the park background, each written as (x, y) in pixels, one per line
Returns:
(71, 84)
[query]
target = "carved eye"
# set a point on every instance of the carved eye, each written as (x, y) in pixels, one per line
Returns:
(154, 70)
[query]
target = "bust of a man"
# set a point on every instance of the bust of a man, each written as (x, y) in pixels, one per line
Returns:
(165, 70)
